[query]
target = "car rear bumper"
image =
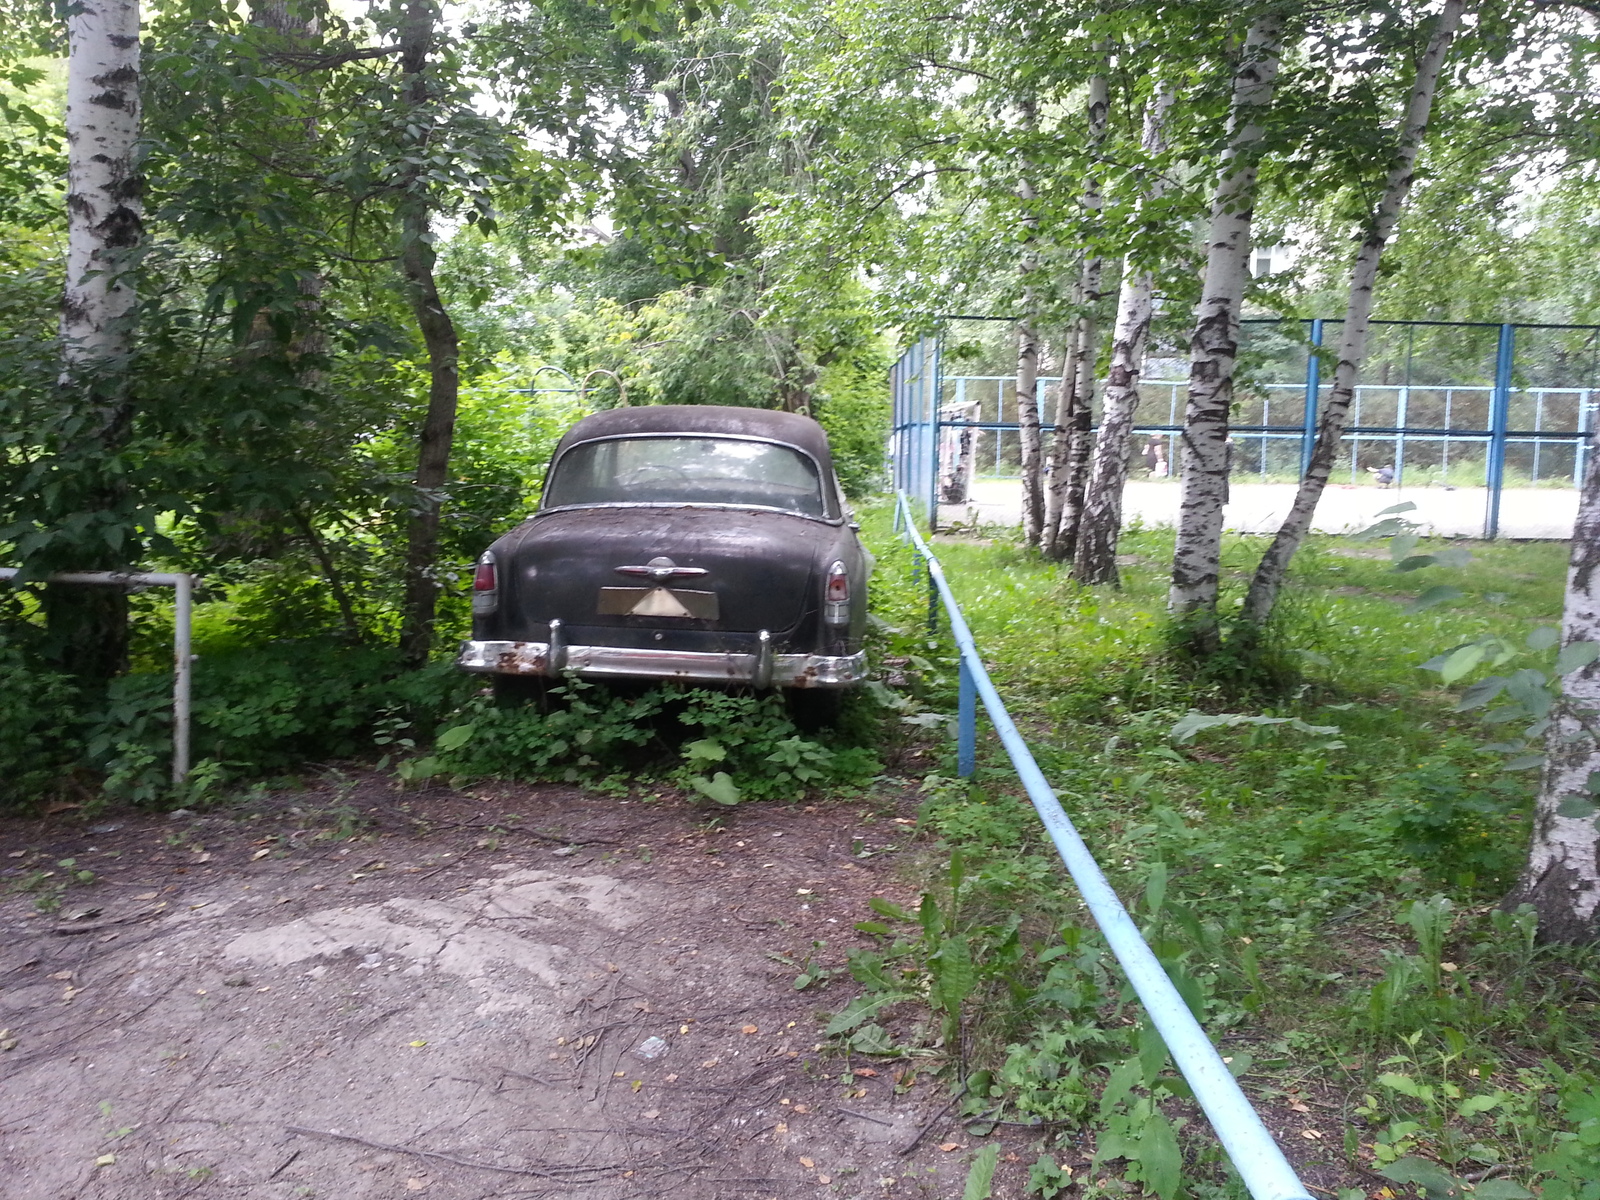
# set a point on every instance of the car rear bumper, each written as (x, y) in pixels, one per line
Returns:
(762, 669)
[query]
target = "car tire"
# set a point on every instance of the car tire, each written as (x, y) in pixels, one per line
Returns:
(514, 691)
(813, 709)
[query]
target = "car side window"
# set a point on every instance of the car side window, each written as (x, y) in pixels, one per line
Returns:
(687, 470)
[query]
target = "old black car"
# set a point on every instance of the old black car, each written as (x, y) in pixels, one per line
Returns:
(701, 543)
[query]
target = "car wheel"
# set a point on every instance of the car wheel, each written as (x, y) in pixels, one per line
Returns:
(812, 709)
(513, 691)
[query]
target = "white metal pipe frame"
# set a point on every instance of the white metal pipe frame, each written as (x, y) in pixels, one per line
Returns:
(182, 657)
(1255, 1155)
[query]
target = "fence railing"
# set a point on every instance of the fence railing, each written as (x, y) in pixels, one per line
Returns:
(1261, 1164)
(1483, 423)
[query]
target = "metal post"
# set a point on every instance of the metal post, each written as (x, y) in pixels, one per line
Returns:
(1499, 416)
(182, 673)
(1400, 438)
(182, 641)
(1538, 425)
(966, 724)
(931, 384)
(1308, 439)
(1583, 442)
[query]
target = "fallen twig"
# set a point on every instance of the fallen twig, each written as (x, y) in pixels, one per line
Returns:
(542, 1173)
(853, 1113)
(937, 1117)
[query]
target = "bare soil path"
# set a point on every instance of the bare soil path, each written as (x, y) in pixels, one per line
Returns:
(508, 992)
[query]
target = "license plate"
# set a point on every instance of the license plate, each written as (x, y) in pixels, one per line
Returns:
(657, 602)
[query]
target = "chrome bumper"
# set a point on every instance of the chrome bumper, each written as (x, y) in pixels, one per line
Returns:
(763, 669)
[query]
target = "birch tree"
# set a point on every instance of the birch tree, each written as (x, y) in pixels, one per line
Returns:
(1562, 876)
(1378, 228)
(104, 213)
(1069, 451)
(1213, 348)
(104, 227)
(1095, 554)
(1028, 356)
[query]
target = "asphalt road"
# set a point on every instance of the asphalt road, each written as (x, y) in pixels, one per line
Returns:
(1260, 507)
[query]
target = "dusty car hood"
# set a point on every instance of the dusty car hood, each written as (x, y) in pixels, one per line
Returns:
(761, 565)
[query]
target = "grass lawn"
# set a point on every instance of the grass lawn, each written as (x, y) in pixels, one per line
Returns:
(1326, 899)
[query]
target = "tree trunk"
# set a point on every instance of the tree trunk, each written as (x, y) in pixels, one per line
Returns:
(104, 207)
(1562, 876)
(1028, 431)
(1069, 451)
(1094, 557)
(1078, 425)
(1213, 348)
(1274, 565)
(439, 337)
(1032, 453)
(88, 625)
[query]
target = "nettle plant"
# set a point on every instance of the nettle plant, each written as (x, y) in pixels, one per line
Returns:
(1528, 696)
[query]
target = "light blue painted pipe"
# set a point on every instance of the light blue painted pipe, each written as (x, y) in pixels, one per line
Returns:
(1257, 1158)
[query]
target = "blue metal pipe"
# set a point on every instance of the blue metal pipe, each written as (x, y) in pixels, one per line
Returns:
(1260, 1163)
(1499, 419)
(1308, 439)
(966, 724)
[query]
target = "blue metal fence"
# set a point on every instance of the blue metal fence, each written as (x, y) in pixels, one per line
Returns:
(1524, 410)
(1261, 1164)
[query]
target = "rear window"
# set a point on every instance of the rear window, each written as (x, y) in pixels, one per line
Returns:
(686, 470)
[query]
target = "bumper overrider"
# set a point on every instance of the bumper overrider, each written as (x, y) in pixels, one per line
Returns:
(761, 669)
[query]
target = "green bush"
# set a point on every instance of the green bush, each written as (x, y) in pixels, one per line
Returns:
(747, 747)
(39, 735)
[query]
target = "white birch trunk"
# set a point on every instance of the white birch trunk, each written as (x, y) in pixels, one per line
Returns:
(1069, 451)
(1028, 356)
(1274, 565)
(1028, 431)
(104, 208)
(1196, 560)
(1562, 876)
(1094, 557)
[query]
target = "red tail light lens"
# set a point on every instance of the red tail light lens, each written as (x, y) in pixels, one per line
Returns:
(838, 584)
(484, 578)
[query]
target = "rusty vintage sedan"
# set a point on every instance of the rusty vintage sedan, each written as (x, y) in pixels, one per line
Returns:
(700, 543)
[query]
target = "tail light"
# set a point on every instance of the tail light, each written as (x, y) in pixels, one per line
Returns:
(485, 585)
(836, 596)
(484, 579)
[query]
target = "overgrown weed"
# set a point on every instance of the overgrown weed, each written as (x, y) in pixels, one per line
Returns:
(1328, 897)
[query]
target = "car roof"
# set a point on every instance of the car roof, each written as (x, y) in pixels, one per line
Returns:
(705, 419)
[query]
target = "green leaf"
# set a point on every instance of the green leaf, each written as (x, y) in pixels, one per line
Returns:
(720, 787)
(1524, 762)
(953, 974)
(1575, 656)
(455, 737)
(1434, 1180)
(705, 750)
(887, 908)
(1416, 562)
(1434, 595)
(1577, 807)
(1406, 506)
(980, 1179)
(1159, 1160)
(857, 1011)
(1461, 662)
(872, 1039)
(1501, 1189)
(1543, 637)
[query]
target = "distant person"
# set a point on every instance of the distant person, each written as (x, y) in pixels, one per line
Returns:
(1384, 475)
(1162, 468)
(1151, 456)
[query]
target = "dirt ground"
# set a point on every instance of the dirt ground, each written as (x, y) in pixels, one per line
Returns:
(352, 991)
(508, 992)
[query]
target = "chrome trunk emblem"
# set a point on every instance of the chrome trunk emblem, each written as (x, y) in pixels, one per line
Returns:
(661, 569)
